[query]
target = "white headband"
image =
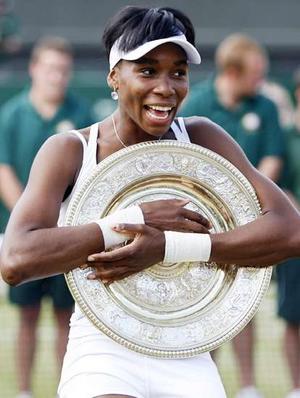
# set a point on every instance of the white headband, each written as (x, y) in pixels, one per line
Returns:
(116, 54)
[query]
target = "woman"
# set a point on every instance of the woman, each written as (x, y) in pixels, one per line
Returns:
(149, 52)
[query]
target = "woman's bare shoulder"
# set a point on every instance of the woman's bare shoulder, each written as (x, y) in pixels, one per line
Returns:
(61, 154)
(85, 132)
(202, 129)
(205, 132)
(68, 144)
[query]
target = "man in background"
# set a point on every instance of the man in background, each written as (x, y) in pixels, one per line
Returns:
(26, 121)
(232, 99)
(288, 273)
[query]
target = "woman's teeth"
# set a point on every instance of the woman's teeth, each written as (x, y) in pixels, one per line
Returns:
(158, 111)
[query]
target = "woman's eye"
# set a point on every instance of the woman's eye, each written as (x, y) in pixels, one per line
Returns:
(147, 71)
(180, 73)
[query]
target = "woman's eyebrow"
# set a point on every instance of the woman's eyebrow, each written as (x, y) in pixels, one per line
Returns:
(145, 60)
(151, 61)
(181, 62)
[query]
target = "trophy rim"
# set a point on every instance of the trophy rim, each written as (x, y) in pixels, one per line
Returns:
(145, 148)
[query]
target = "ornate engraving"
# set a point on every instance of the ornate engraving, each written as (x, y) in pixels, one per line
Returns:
(187, 308)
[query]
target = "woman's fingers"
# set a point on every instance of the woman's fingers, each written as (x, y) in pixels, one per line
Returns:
(129, 228)
(193, 226)
(116, 254)
(113, 255)
(194, 216)
(110, 275)
(146, 249)
(120, 252)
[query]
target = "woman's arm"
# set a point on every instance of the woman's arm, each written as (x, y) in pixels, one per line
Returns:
(275, 235)
(34, 246)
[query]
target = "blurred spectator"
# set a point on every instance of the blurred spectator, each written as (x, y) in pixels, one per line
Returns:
(289, 272)
(3, 286)
(26, 121)
(281, 97)
(10, 41)
(232, 100)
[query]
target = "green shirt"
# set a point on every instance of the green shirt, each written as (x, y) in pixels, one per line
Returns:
(23, 131)
(253, 125)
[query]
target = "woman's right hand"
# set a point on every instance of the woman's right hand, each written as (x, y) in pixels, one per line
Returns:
(171, 215)
(146, 248)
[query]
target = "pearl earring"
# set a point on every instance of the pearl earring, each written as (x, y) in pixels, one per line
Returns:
(114, 95)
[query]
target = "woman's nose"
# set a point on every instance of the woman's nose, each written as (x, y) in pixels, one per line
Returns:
(164, 87)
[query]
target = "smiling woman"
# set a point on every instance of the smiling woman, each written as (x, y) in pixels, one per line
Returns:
(149, 71)
(150, 91)
(149, 50)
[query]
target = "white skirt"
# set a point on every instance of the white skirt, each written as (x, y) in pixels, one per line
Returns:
(95, 365)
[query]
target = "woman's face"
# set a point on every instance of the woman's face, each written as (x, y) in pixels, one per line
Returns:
(152, 88)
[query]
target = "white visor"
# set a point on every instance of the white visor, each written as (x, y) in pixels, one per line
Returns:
(116, 55)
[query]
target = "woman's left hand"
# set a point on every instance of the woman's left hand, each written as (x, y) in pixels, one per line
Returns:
(146, 249)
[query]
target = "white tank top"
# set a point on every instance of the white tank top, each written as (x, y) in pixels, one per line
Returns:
(81, 329)
(89, 160)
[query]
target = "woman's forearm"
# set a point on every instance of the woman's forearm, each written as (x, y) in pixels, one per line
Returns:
(265, 241)
(45, 252)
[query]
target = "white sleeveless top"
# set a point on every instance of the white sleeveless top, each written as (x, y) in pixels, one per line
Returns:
(88, 346)
(89, 160)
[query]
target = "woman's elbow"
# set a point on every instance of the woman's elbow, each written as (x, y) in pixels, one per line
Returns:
(11, 270)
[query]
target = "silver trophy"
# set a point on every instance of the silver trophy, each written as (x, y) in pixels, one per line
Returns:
(186, 308)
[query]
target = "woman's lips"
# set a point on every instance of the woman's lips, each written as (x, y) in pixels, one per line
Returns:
(158, 112)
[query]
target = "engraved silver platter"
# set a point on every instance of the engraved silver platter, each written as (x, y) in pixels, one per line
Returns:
(187, 308)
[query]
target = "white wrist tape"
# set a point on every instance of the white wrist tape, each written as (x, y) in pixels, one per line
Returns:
(131, 215)
(181, 246)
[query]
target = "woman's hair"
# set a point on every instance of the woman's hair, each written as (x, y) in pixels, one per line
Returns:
(138, 25)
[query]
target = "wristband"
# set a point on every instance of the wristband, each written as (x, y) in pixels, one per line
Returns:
(131, 215)
(181, 247)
